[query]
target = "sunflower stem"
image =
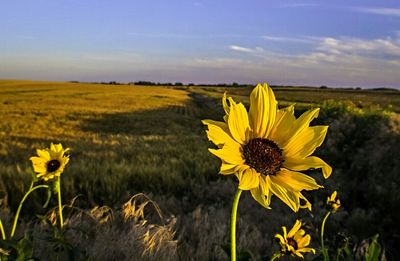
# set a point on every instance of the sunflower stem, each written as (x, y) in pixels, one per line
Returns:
(59, 203)
(323, 249)
(233, 223)
(275, 256)
(31, 189)
(3, 234)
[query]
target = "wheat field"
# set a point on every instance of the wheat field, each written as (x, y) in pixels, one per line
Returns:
(128, 139)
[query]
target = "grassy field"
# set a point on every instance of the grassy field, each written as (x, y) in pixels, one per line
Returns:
(387, 99)
(127, 139)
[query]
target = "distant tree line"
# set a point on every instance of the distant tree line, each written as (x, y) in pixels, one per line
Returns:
(234, 84)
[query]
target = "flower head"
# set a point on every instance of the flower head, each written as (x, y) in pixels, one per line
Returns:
(266, 148)
(295, 242)
(333, 202)
(50, 162)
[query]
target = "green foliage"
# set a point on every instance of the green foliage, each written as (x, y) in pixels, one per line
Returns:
(374, 250)
(18, 249)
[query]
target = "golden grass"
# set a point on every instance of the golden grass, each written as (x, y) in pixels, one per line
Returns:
(54, 110)
(123, 138)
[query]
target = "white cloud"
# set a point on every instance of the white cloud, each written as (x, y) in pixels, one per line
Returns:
(245, 49)
(308, 40)
(332, 61)
(355, 46)
(380, 11)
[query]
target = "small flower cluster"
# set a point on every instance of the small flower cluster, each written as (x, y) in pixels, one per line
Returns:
(332, 202)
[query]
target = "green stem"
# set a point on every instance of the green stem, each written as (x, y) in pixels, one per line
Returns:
(324, 251)
(3, 234)
(20, 206)
(233, 224)
(59, 203)
(275, 256)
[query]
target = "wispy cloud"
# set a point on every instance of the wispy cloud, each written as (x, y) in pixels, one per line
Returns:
(375, 47)
(337, 61)
(329, 50)
(380, 11)
(245, 49)
(290, 39)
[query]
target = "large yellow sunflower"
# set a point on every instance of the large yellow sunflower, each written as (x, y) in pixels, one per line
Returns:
(266, 147)
(295, 242)
(50, 162)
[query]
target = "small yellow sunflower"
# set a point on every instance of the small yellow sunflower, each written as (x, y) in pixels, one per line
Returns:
(50, 162)
(266, 147)
(333, 202)
(295, 242)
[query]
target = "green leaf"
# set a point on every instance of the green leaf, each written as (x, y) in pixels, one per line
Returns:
(24, 248)
(374, 250)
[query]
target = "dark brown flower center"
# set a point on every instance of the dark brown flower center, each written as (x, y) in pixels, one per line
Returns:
(263, 155)
(53, 165)
(292, 243)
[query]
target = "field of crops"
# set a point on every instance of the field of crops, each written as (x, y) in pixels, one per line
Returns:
(127, 139)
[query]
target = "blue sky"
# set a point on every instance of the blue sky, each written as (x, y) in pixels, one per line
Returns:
(334, 43)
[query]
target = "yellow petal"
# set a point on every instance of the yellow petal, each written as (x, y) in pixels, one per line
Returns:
(227, 169)
(305, 143)
(284, 232)
(248, 179)
(284, 122)
(288, 197)
(238, 123)
(64, 161)
(262, 112)
(226, 104)
(298, 126)
(333, 197)
(308, 163)
(230, 153)
(218, 132)
(297, 253)
(308, 249)
(281, 239)
(299, 235)
(262, 193)
(38, 160)
(303, 241)
(43, 154)
(296, 181)
(39, 168)
(295, 228)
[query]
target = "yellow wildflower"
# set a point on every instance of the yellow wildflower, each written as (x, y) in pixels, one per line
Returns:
(266, 147)
(295, 242)
(50, 162)
(333, 202)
